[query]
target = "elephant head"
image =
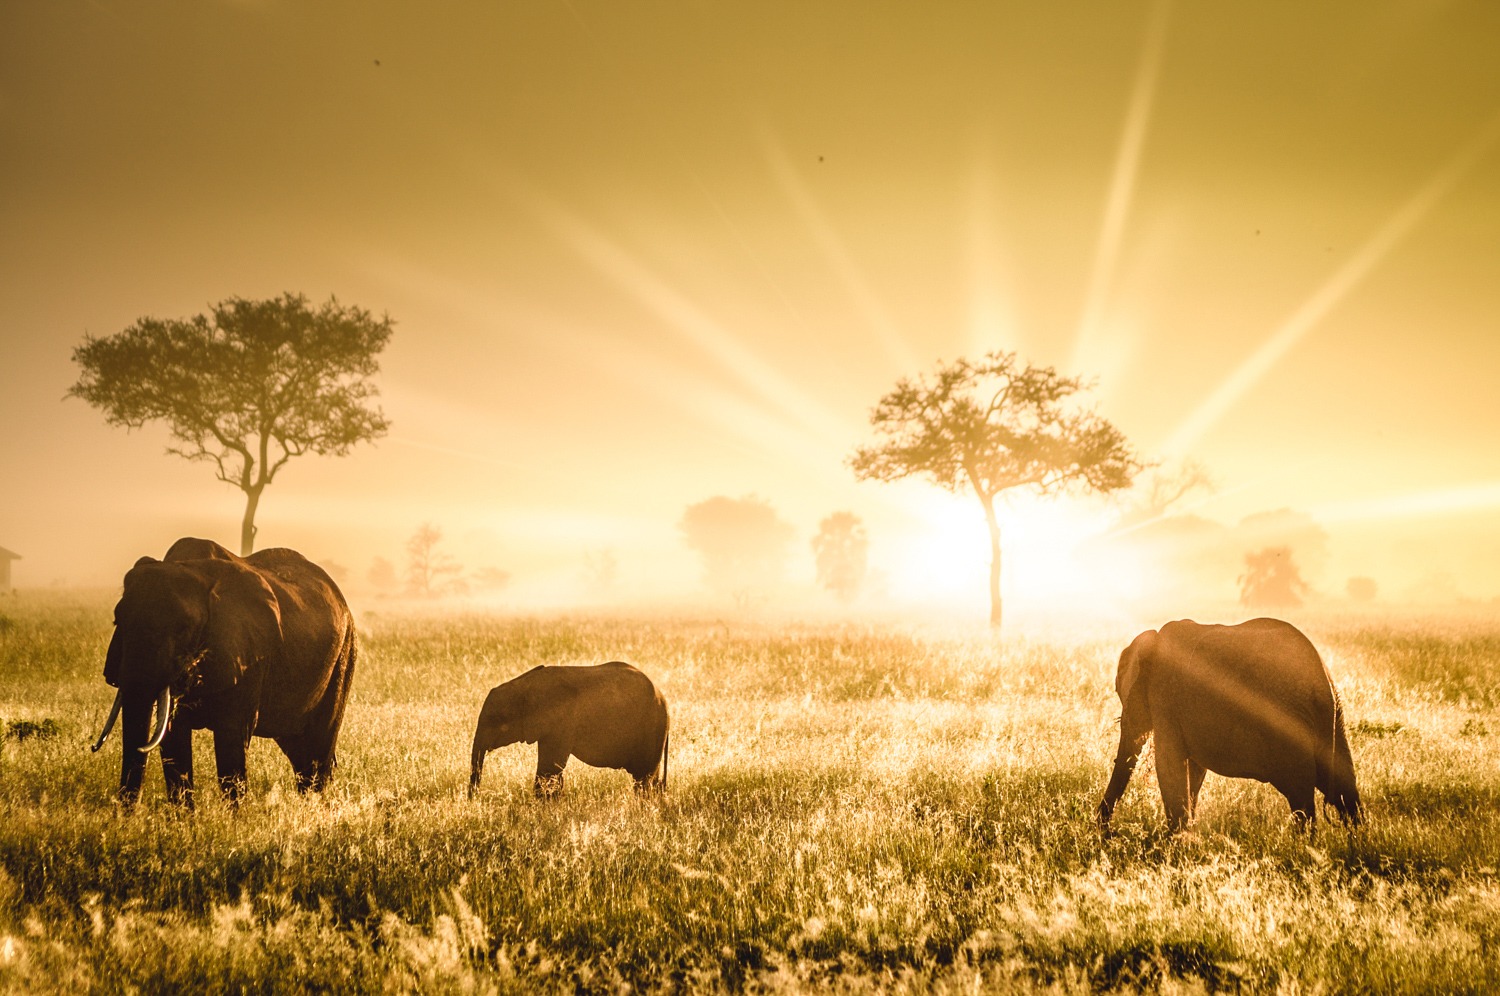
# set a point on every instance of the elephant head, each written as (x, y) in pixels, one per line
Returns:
(183, 630)
(1135, 716)
(1135, 696)
(511, 714)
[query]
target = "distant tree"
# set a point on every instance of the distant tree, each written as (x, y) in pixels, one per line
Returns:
(1154, 496)
(601, 570)
(382, 575)
(429, 571)
(1362, 589)
(1271, 580)
(491, 578)
(993, 426)
(841, 550)
(742, 542)
(336, 570)
(1285, 527)
(246, 387)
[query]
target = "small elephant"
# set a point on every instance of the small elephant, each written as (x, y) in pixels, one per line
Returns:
(1246, 701)
(607, 715)
(259, 646)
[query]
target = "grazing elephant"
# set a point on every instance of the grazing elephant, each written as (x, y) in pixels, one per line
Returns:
(261, 646)
(1246, 701)
(608, 715)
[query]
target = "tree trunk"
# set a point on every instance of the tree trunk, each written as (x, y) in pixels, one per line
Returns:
(247, 525)
(995, 602)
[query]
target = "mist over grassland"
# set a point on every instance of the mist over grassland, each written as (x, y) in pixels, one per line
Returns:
(852, 805)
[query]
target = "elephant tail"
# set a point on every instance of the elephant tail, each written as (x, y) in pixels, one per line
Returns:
(1342, 791)
(665, 744)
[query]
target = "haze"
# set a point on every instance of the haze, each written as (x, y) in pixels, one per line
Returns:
(639, 256)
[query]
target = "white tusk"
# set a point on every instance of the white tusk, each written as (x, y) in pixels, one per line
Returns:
(163, 713)
(109, 724)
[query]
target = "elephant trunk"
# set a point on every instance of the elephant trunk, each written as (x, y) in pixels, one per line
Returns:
(476, 765)
(1134, 731)
(140, 736)
(135, 731)
(1345, 794)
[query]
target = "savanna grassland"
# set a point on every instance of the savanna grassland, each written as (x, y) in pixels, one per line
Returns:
(849, 808)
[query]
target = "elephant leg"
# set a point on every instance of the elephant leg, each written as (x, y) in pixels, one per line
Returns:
(1172, 777)
(312, 752)
(312, 761)
(177, 764)
(229, 756)
(1196, 772)
(550, 761)
(1297, 787)
(650, 783)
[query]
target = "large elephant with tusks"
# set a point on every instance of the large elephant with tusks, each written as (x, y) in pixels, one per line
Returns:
(259, 646)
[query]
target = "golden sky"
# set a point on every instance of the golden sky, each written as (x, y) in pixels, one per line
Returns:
(643, 254)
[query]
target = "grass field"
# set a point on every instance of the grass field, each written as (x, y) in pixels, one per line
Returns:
(849, 809)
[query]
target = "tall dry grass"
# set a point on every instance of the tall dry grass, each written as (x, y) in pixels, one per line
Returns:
(850, 808)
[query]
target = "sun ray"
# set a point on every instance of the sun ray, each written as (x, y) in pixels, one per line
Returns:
(451, 451)
(992, 320)
(687, 319)
(866, 302)
(1467, 498)
(1088, 346)
(1333, 291)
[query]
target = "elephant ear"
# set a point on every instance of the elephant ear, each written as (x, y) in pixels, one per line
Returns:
(112, 660)
(544, 704)
(113, 654)
(244, 624)
(1133, 661)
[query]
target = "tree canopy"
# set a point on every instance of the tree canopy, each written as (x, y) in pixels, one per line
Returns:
(841, 552)
(990, 426)
(246, 387)
(743, 544)
(1272, 580)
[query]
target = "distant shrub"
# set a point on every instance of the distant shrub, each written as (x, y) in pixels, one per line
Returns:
(1376, 731)
(1362, 589)
(25, 729)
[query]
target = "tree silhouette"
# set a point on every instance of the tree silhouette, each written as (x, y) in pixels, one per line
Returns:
(1271, 580)
(246, 387)
(491, 578)
(742, 542)
(601, 569)
(1362, 589)
(429, 571)
(992, 426)
(382, 575)
(841, 551)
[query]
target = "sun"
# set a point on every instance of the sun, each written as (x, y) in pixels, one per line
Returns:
(1046, 551)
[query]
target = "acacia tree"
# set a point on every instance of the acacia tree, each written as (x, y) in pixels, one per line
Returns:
(246, 387)
(993, 426)
(743, 543)
(430, 571)
(841, 552)
(1271, 580)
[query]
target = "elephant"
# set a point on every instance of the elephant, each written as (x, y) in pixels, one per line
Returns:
(606, 715)
(261, 646)
(1248, 701)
